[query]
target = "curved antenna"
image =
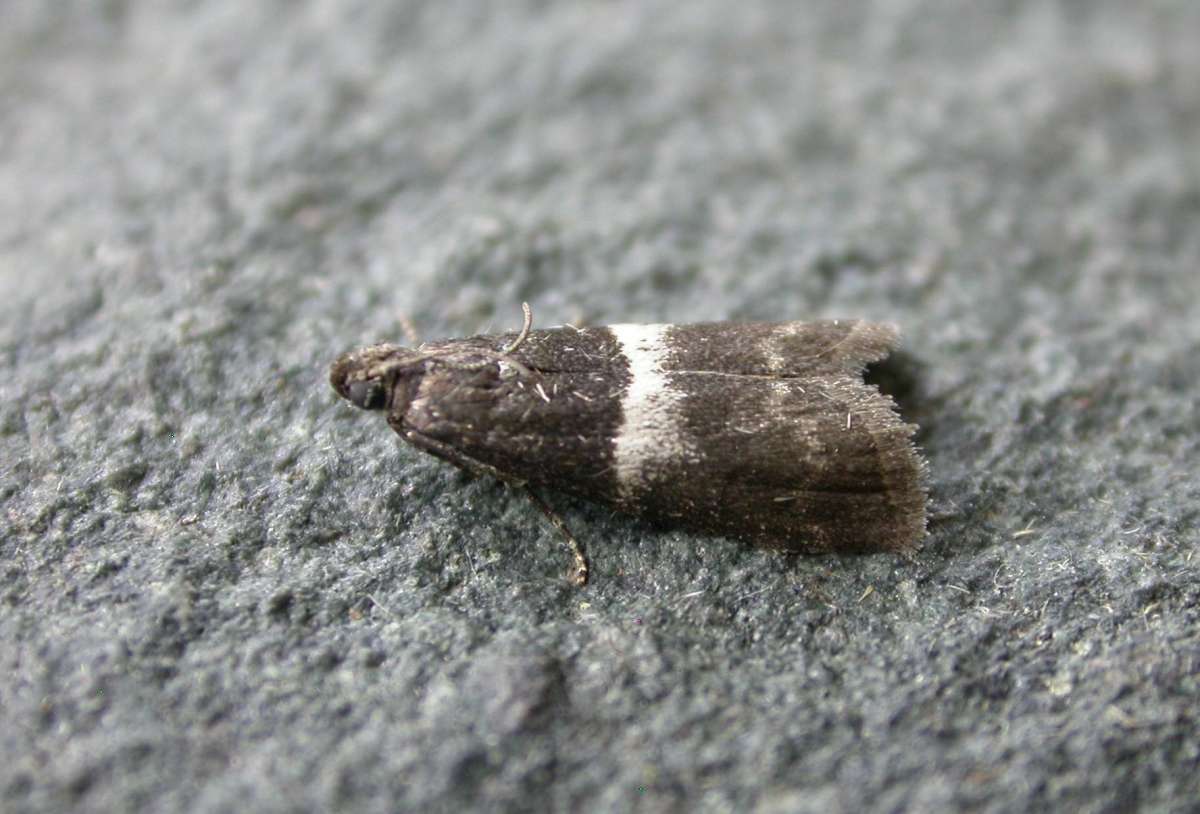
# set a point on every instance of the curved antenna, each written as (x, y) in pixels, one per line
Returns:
(446, 355)
(521, 337)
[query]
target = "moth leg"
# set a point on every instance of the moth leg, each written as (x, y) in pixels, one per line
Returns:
(451, 455)
(579, 572)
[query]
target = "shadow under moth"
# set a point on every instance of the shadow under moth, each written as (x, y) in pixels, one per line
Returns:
(763, 432)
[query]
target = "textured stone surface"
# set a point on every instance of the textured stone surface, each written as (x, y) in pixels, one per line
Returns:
(225, 590)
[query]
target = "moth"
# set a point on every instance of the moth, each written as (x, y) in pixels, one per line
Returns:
(763, 432)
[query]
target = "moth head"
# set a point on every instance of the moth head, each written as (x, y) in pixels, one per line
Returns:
(369, 378)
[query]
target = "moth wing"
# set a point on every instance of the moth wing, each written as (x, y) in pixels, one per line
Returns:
(549, 428)
(767, 433)
(801, 464)
(762, 432)
(784, 349)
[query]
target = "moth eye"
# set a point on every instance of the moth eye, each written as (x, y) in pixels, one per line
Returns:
(367, 395)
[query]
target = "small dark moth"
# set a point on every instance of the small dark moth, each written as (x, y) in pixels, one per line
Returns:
(763, 432)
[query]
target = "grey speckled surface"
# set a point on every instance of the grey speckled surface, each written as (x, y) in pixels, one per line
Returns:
(223, 590)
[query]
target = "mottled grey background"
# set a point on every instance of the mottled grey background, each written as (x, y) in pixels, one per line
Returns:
(224, 590)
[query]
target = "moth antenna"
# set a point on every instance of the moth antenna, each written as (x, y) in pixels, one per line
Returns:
(494, 356)
(410, 331)
(387, 368)
(525, 309)
(505, 354)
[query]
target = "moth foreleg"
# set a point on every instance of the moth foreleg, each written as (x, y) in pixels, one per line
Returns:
(579, 571)
(451, 455)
